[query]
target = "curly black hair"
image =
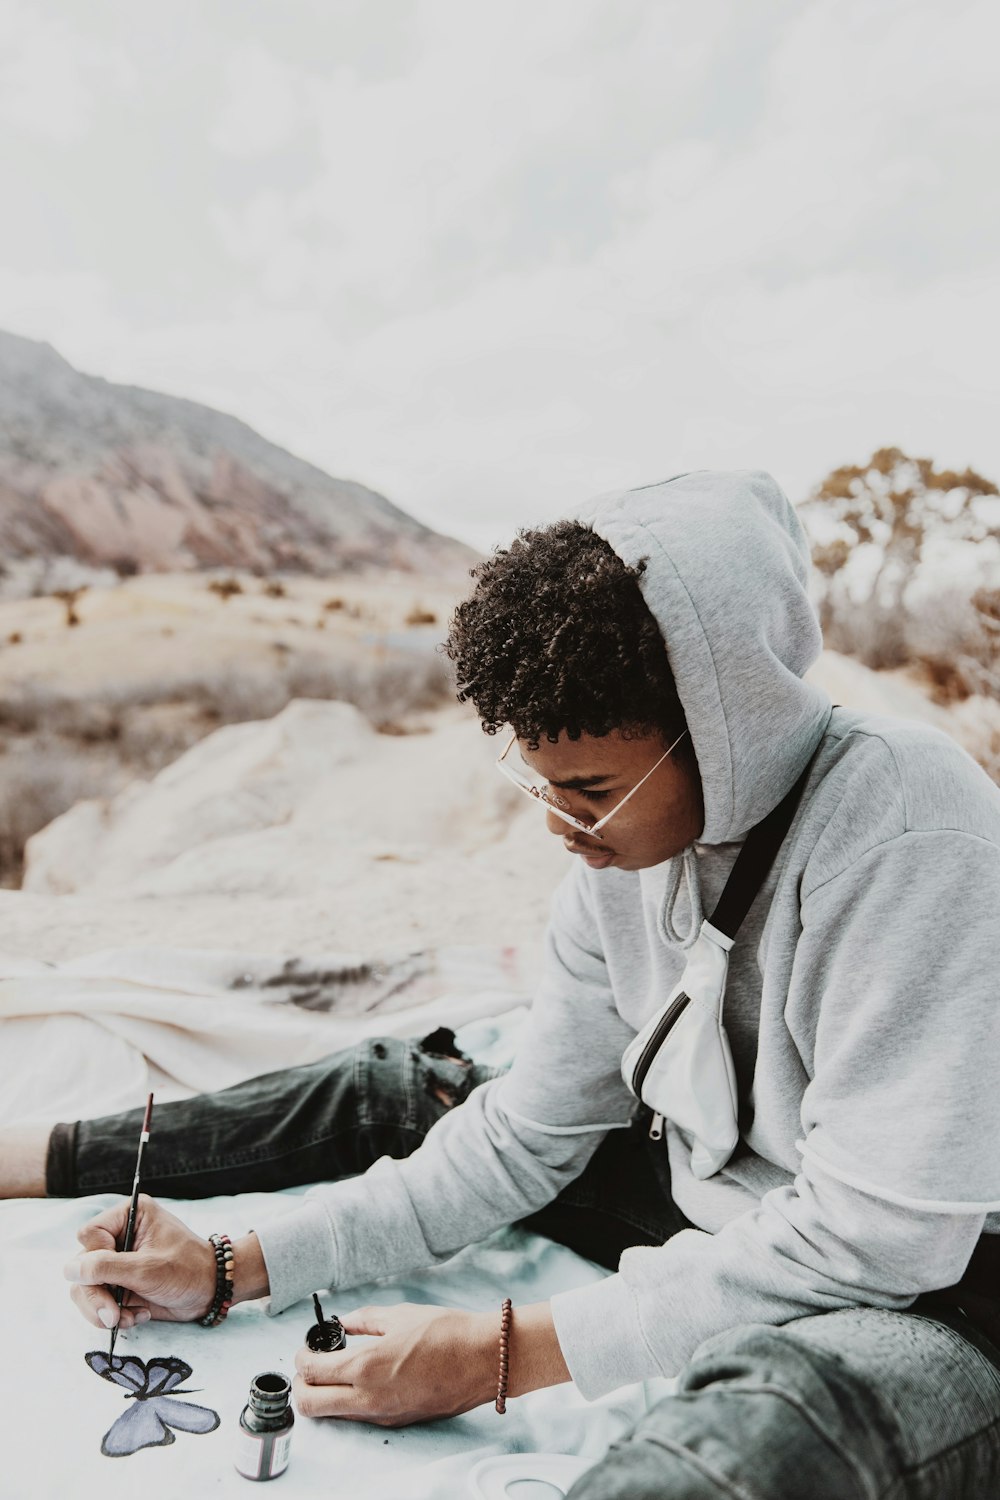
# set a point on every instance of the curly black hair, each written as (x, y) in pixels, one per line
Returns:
(557, 638)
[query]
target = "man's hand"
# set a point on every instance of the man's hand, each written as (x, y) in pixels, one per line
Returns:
(168, 1274)
(425, 1362)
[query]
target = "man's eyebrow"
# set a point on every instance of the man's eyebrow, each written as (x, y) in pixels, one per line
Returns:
(580, 783)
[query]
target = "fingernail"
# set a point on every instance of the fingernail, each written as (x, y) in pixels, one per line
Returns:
(142, 1316)
(108, 1316)
(71, 1270)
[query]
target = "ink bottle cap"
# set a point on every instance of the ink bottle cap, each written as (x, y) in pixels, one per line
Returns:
(265, 1437)
(326, 1335)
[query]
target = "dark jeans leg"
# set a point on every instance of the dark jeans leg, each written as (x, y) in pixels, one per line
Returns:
(332, 1119)
(314, 1123)
(621, 1198)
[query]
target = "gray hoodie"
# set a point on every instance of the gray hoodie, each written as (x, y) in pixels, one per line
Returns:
(862, 1005)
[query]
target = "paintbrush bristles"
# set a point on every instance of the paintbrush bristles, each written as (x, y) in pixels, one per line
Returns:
(148, 1115)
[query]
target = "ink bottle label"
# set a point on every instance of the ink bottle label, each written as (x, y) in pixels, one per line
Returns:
(262, 1455)
(264, 1443)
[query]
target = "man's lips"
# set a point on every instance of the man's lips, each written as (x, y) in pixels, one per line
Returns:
(594, 854)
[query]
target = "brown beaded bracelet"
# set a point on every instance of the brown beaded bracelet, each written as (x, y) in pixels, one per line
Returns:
(505, 1317)
(224, 1263)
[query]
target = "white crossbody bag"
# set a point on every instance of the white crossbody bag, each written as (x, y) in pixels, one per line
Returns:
(680, 1063)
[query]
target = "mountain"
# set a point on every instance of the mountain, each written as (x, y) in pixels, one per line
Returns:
(114, 475)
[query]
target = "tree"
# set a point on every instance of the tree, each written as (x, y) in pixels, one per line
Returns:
(894, 508)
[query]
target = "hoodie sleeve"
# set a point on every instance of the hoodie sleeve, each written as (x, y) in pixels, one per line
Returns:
(505, 1152)
(896, 965)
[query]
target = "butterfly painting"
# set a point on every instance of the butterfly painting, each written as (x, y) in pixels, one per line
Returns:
(152, 1386)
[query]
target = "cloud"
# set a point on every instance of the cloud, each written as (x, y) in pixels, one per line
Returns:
(262, 107)
(52, 76)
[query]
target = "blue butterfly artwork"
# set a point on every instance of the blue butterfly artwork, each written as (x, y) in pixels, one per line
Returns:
(152, 1386)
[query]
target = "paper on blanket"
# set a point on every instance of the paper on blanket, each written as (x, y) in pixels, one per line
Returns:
(114, 1024)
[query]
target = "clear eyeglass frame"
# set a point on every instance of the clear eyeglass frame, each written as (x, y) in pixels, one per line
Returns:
(555, 803)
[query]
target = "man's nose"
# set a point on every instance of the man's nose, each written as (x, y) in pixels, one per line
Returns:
(563, 829)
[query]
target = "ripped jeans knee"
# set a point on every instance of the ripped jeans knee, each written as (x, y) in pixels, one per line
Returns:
(409, 1084)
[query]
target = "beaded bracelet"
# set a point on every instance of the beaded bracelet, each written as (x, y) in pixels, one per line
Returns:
(223, 1299)
(505, 1317)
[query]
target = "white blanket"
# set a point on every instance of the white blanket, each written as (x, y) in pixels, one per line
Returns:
(56, 1410)
(86, 1037)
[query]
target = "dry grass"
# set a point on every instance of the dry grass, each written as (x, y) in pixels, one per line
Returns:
(952, 638)
(420, 616)
(225, 588)
(38, 781)
(58, 749)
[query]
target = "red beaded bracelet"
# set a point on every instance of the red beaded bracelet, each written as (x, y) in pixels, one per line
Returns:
(505, 1317)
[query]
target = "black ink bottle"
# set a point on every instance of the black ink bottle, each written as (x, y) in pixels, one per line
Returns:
(326, 1335)
(265, 1438)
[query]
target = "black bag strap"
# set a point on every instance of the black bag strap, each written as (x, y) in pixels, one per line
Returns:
(760, 849)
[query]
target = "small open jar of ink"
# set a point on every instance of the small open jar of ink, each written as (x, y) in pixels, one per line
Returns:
(265, 1439)
(326, 1335)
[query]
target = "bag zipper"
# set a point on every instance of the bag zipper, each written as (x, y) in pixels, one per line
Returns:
(656, 1041)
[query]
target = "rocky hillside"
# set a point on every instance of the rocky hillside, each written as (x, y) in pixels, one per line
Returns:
(115, 476)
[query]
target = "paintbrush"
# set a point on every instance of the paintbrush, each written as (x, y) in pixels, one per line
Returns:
(132, 1210)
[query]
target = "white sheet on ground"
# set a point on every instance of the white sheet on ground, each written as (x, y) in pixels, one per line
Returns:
(82, 1038)
(56, 1410)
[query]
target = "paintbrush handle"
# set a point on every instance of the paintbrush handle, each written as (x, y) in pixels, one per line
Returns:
(133, 1207)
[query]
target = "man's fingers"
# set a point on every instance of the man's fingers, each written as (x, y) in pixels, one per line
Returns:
(104, 1232)
(94, 1236)
(367, 1319)
(323, 1369)
(99, 1307)
(108, 1267)
(329, 1401)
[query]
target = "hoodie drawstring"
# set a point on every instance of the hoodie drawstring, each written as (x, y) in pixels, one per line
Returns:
(686, 865)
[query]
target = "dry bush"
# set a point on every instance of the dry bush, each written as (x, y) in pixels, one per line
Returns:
(38, 782)
(893, 510)
(384, 686)
(274, 590)
(344, 606)
(385, 689)
(34, 710)
(225, 588)
(867, 630)
(69, 598)
(956, 642)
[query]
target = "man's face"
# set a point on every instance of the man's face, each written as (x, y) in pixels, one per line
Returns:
(591, 775)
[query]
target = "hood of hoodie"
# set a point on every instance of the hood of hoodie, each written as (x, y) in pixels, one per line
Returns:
(726, 579)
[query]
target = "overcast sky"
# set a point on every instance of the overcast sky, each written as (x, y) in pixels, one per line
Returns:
(493, 258)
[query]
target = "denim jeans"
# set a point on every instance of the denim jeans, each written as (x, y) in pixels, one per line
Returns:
(861, 1404)
(332, 1119)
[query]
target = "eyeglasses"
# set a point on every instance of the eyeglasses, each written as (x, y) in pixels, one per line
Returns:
(556, 804)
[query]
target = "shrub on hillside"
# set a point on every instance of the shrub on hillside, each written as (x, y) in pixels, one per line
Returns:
(36, 787)
(882, 534)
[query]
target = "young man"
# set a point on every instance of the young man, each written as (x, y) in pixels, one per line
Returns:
(649, 661)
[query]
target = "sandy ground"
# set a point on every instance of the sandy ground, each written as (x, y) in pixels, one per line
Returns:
(164, 628)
